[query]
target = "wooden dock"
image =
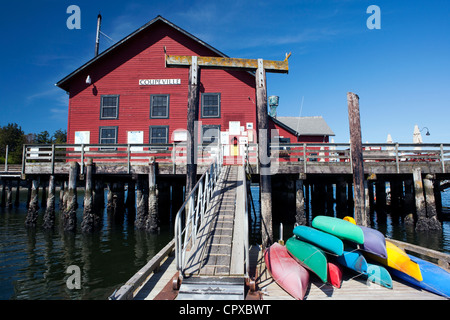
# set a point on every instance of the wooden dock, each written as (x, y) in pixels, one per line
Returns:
(215, 263)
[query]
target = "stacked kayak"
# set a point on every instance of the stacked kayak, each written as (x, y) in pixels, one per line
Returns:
(289, 274)
(332, 243)
(434, 278)
(342, 229)
(310, 256)
(397, 259)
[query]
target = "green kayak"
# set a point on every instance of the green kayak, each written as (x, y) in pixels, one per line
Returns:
(340, 228)
(309, 256)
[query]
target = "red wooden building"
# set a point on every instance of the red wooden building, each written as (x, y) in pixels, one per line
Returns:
(126, 94)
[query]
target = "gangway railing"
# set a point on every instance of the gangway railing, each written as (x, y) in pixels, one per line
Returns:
(191, 214)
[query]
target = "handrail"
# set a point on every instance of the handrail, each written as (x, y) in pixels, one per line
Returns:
(175, 153)
(186, 226)
(245, 225)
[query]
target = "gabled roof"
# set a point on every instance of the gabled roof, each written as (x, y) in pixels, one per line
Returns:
(304, 126)
(62, 83)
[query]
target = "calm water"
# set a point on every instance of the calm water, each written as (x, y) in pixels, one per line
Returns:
(33, 262)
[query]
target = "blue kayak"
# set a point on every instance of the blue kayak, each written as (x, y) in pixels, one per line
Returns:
(379, 275)
(435, 279)
(325, 241)
(353, 260)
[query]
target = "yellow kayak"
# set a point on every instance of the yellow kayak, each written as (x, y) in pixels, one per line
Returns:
(399, 260)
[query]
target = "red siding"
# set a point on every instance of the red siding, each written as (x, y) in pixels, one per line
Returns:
(118, 73)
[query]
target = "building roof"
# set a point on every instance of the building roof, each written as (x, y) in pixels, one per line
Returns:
(63, 83)
(305, 126)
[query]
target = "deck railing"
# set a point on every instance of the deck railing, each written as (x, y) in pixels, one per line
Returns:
(191, 214)
(175, 154)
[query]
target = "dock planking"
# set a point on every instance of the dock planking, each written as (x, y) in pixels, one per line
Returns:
(212, 254)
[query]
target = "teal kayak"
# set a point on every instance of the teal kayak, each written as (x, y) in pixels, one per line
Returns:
(340, 228)
(379, 275)
(308, 255)
(323, 240)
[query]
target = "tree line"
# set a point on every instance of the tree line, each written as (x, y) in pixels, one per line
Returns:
(14, 137)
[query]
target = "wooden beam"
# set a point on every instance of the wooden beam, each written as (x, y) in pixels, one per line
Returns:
(228, 63)
(265, 182)
(357, 159)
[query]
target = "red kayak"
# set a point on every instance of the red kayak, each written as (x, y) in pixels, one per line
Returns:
(287, 272)
(334, 275)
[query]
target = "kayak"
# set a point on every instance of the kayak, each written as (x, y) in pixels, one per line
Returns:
(323, 240)
(309, 256)
(435, 279)
(286, 272)
(349, 219)
(334, 274)
(398, 260)
(379, 275)
(374, 242)
(354, 260)
(342, 229)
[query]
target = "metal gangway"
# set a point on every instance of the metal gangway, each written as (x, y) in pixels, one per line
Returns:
(211, 237)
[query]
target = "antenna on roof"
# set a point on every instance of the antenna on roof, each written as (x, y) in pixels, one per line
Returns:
(97, 37)
(300, 114)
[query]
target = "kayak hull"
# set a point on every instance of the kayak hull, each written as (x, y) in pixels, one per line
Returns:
(309, 256)
(374, 242)
(287, 273)
(323, 240)
(354, 260)
(334, 275)
(379, 275)
(342, 229)
(435, 279)
(398, 259)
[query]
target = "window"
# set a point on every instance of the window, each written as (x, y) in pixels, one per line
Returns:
(211, 105)
(159, 106)
(108, 135)
(159, 134)
(210, 134)
(109, 108)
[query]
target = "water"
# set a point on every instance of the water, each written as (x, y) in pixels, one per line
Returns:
(33, 262)
(392, 228)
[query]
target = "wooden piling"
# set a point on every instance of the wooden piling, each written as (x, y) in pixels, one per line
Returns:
(264, 156)
(141, 214)
(91, 219)
(408, 218)
(70, 214)
(33, 207)
(192, 116)
(3, 195)
(8, 193)
(421, 213)
(357, 159)
(99, 197)
(49, 216)
(433, 222)
(152, 223)
(17, 199)
(300, 216)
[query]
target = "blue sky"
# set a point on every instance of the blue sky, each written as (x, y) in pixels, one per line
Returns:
(401, 72)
